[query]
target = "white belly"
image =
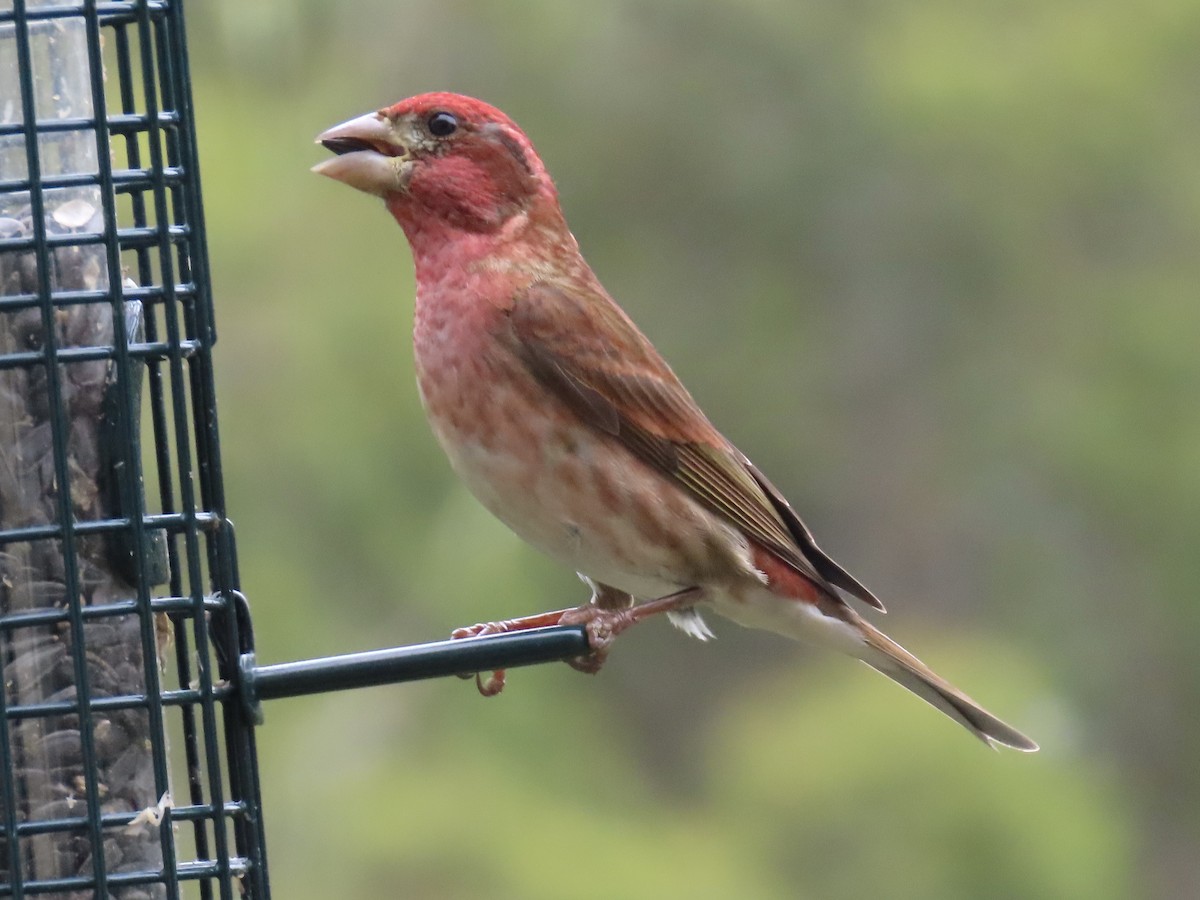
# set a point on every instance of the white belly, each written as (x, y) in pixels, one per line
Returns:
(584, 500)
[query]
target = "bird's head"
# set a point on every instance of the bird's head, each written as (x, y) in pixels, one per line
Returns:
(440, 158)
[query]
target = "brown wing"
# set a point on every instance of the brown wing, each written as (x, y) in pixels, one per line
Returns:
(587, 351)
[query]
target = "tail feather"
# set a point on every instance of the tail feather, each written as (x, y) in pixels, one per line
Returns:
(885, 655)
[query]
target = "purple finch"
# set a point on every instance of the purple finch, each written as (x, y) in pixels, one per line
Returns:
(566, 423)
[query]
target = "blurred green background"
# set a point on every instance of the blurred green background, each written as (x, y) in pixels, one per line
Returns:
(933, 265)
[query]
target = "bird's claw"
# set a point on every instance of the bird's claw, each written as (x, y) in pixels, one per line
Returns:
(496, 680)
(470, 631)
(602, 627)
(601, 623)
(493, 685)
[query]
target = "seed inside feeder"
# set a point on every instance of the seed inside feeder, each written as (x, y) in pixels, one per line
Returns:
(74, 214)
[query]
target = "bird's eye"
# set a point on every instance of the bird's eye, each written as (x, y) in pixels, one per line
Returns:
(442, 124)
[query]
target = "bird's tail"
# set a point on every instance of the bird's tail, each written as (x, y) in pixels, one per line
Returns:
(884, 655)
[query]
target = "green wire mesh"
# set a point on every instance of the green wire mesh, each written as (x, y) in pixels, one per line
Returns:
(128, 770)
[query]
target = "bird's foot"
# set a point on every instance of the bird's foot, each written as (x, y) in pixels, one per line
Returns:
(494, 683)
(602, 625)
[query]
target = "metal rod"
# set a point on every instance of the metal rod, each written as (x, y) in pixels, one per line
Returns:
(409, 663)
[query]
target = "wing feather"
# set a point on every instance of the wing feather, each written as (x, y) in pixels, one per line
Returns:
(584, 348)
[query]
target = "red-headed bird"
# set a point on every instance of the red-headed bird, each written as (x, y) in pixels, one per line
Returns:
(566, 423)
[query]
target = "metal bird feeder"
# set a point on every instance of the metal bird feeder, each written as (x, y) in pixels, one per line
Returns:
(131, 692)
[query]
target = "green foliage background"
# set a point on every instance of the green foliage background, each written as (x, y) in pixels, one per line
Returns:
(932, 264)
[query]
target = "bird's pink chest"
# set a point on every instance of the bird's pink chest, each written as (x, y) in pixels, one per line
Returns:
(559, 484)
(480, 400)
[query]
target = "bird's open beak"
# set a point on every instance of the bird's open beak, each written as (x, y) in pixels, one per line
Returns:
(370, 157)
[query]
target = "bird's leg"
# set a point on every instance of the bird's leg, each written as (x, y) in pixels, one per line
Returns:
(524, 623)
(604, 616)
(603, 597)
